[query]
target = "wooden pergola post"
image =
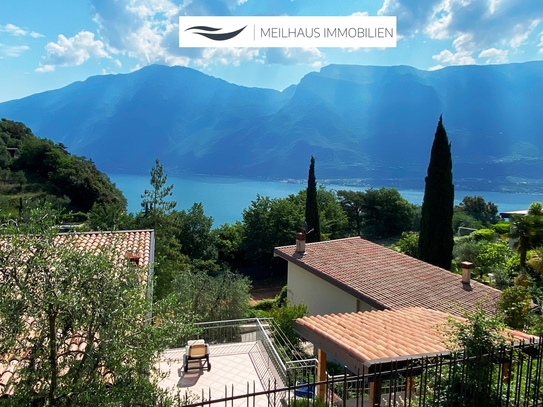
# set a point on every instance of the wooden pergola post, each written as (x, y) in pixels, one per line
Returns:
(410, 383)
(506, 372)
(321, 373)
(375, 393)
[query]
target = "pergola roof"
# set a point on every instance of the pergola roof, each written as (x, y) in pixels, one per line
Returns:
(360, 340)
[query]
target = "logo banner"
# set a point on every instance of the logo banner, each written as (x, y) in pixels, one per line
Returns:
(287, 31)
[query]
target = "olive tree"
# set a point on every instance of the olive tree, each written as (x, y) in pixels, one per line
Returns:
(75, 324)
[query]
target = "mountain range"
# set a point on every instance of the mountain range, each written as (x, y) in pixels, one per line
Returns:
(371, 123)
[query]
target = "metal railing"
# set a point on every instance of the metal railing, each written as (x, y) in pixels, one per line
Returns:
(273, 349)
(506, 376)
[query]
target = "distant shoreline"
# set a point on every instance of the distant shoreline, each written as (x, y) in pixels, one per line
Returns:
(516, 186)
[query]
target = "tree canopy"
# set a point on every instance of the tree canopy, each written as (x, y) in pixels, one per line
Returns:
(42, 169)
(436, 234)
(78, 322)
(312, 207)
(479, 209)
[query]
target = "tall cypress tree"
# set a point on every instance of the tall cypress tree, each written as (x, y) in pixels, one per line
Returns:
(436, 234)
(311, 206)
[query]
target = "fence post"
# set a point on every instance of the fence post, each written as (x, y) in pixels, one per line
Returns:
(321, 373)
(506, 372)
(375, 392)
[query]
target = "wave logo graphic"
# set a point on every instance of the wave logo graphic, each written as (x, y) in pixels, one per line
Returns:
(210, 32)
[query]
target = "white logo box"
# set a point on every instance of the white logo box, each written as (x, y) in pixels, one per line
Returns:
(287, 31)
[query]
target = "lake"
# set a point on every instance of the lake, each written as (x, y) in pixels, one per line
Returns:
(224, 198)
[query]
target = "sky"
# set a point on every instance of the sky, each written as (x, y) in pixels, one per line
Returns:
(48, 44)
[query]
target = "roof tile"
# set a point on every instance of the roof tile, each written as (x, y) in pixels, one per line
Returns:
(374, 335)
(390, 279)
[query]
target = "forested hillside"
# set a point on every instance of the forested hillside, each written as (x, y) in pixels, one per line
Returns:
(34, 170)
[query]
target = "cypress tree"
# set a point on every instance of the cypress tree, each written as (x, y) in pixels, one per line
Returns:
(436, 234)
(311, 206)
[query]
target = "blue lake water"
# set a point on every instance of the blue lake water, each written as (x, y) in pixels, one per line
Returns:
(225, 198)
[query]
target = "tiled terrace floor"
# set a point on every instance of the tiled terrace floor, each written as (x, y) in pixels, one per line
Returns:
(236, 369)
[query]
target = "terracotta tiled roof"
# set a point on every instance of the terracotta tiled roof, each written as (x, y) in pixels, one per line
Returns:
(387, 279)
(376, 336)
(132, 244)
(135, 245)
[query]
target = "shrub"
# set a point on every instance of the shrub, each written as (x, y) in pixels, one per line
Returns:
(515, 304)
(264, 305)
(408, 244)
(484, 235)
(501, 228)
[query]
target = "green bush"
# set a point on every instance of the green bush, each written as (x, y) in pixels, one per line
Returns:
(484, 234)
(408, 244)
(264, 305)
(75, 217)
(501, 228)
(515, 304)
(303, 402)
(283, 317)
(281, 298)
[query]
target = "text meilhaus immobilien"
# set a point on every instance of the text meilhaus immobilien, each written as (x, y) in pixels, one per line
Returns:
(316, 32)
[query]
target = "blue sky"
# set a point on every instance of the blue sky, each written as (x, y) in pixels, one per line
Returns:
(47, 44)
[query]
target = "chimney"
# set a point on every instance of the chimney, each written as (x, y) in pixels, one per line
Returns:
(466, 273)
(134, 257)
(300, 242)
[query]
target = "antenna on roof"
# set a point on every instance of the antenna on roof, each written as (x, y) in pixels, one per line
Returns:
(305, 228)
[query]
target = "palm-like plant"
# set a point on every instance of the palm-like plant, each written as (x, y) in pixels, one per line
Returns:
(527, 230)
(536, 259)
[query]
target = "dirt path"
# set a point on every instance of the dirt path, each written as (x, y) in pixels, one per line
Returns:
(263, 293)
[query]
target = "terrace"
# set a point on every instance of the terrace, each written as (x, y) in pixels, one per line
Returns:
(253, 366)
(246, 356)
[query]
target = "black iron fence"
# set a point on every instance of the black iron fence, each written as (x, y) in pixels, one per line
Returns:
(508, 376)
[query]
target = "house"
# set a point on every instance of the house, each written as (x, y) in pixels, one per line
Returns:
(136, 246)
(353, 274)
(508, 215)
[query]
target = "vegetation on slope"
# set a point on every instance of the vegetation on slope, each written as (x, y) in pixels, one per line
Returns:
(36, 168)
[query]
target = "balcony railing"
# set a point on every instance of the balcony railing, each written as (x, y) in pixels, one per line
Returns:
(507, 376)
(273, 349)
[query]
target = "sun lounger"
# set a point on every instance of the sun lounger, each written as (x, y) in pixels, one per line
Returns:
(196, 350)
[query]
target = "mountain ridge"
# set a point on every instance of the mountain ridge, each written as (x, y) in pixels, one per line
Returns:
(367, 122)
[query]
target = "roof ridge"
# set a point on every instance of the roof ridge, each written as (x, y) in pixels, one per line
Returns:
(385, 278)
(103, 232)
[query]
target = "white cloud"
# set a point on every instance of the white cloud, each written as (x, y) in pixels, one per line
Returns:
(148, 31)
(436, 67)
(488, 22)
(494, 56)
(12, 50)
(493, 5)
(360, 14)
(522, 32)
(411, 14)
(457, 58)
(72, 51)
(17, 31)
(464, 49)
(45, 68)
(480, 24)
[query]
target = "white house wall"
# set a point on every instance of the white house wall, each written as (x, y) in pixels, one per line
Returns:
(320, 296)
